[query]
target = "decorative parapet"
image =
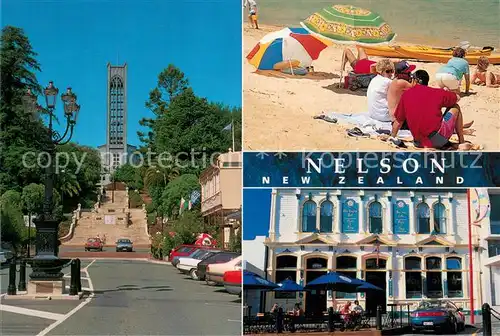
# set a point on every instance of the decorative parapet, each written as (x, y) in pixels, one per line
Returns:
(74, 223)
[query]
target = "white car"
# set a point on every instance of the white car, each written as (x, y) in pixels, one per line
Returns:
(188, 265)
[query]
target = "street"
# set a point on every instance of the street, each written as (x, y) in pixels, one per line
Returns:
(126, 298)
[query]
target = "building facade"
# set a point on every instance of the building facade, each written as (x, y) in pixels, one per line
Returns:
(116, 151)
(221, 194)
(412, 244)
(490, 251)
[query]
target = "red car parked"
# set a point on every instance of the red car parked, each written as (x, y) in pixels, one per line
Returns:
(232, 282)
(185, 251)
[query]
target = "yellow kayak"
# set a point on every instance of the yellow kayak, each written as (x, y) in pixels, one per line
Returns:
(395, 51)
(472, 58)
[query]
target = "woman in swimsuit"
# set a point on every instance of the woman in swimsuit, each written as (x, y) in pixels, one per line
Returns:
(482, 76)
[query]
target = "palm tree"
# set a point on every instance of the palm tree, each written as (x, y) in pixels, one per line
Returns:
(67, 183)
(157, 175)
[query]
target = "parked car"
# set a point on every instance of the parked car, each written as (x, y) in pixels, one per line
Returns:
(215, 272)
(217, 258)
(187, 265)
(438, 315)
(94, 244)
(5, 256)
(124, 245)
(232, 282)
(182, 251)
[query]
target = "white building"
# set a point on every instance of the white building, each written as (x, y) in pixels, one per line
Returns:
(413, 244)
(490, 251)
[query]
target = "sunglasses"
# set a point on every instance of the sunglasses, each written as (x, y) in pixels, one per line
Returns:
(389, 71)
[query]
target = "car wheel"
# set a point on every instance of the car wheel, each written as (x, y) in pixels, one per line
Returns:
(194, 274)
(211, 283)
(117, 250)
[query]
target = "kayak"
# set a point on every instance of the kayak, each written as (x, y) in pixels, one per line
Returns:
(427, 57)
(393, 52)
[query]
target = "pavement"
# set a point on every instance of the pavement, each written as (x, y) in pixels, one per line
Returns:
(126, 297)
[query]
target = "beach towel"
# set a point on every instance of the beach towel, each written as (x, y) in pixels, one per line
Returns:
(366, 124)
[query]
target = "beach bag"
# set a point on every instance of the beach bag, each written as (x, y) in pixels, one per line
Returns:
(295, 71)
(359, 81)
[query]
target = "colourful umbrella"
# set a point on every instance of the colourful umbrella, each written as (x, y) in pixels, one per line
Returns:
(481, 204)
(286, 45)
(348, 24)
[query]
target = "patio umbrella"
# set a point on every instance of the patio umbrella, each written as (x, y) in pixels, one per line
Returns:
(254, 281)
(349, 24)
(336, 282)
(288, 44)
(367, 287)
(289, 285)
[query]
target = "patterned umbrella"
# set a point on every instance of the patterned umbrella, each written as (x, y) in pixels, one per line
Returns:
(286, 45)
(481, 204)
(348, 24)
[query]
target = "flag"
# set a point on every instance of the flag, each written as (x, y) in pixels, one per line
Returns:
(195, 195)
(229, 127)
(480, 202)
(183, 205)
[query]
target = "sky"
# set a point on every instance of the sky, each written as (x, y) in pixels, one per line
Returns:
(256, 212)
(75, 39)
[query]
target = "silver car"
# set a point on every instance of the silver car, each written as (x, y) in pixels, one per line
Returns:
(124, 245)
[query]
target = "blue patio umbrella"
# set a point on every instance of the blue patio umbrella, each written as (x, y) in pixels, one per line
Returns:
(336, 282)
(254, 281)
(368, 287)
(289, 286)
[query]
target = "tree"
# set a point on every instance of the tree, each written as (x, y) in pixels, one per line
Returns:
(180, 187)
(11, 218)
(155, 176)
(67, 184)
(20, 132)
(32, 198)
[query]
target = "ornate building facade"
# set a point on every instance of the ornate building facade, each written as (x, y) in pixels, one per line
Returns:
(412, 244)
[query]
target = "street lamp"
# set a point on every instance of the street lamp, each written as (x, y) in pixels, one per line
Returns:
(46, 264)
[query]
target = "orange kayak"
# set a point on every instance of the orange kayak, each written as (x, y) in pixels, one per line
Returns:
(472, 58)
(391, 52)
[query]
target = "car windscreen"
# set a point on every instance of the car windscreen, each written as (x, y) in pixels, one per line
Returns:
(196, 253)
(91, 240)
(213, 259)
(184, 249)
(124, 241)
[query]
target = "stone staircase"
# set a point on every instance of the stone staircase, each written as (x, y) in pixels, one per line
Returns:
(112, 220)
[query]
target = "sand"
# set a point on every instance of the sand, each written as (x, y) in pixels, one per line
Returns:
(278, 112)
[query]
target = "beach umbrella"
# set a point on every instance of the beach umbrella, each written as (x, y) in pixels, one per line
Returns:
(336, 282)
(286, 45)
(349, 24)
(254, 281)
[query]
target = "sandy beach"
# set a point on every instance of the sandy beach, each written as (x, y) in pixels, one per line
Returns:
(278, 111)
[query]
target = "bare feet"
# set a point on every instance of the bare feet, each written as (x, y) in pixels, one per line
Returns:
(465, 146)
(469, 124)
(469, 131)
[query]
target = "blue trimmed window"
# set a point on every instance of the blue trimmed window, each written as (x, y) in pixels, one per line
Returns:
(439, 211)
(326, 217)
(309, 217)
(423, 219)
(375, 217)
(454, 282)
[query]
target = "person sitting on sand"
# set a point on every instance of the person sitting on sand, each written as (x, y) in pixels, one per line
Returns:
(482, 76)
(378, 108)
(420, 106)
(360, 64)
(403, 81)
(449, 76)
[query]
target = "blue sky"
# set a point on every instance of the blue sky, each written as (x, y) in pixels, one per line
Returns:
(256, 212)
(75, 39)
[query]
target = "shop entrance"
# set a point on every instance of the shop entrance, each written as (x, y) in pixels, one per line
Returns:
(376, 277)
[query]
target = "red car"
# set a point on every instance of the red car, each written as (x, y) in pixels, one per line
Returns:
(232, 282)
(94, 244)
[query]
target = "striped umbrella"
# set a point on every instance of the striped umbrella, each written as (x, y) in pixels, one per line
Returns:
(286, 45)
(349, 24)
(481, 204)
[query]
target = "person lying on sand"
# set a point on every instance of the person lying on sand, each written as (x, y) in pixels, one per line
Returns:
(420, 106)
(378, 108)
(482, 76)
(360, 64)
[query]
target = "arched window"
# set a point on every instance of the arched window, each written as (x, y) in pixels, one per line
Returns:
(316, 263)
(413, 277)
(326, 217)
(454, 267)
(439, 211)
(346, 265)
(375, 217)
(434, 277)
(423, 218)
(286, 268)
(309, 217)
(375, 263)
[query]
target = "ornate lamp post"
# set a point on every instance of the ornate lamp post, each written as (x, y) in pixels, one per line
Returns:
(46, 264)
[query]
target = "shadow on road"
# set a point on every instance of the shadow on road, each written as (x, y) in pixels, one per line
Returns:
(133, 288)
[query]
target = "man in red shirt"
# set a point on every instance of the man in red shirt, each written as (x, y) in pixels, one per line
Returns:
(420, 106)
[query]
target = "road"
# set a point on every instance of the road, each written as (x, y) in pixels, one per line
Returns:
(127, 297)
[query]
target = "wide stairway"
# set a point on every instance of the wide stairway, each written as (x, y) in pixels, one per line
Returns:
(112, 220)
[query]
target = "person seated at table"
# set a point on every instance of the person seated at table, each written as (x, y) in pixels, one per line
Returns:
(346, 311)
(360, 64)
(297, 311)
(356, 308)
